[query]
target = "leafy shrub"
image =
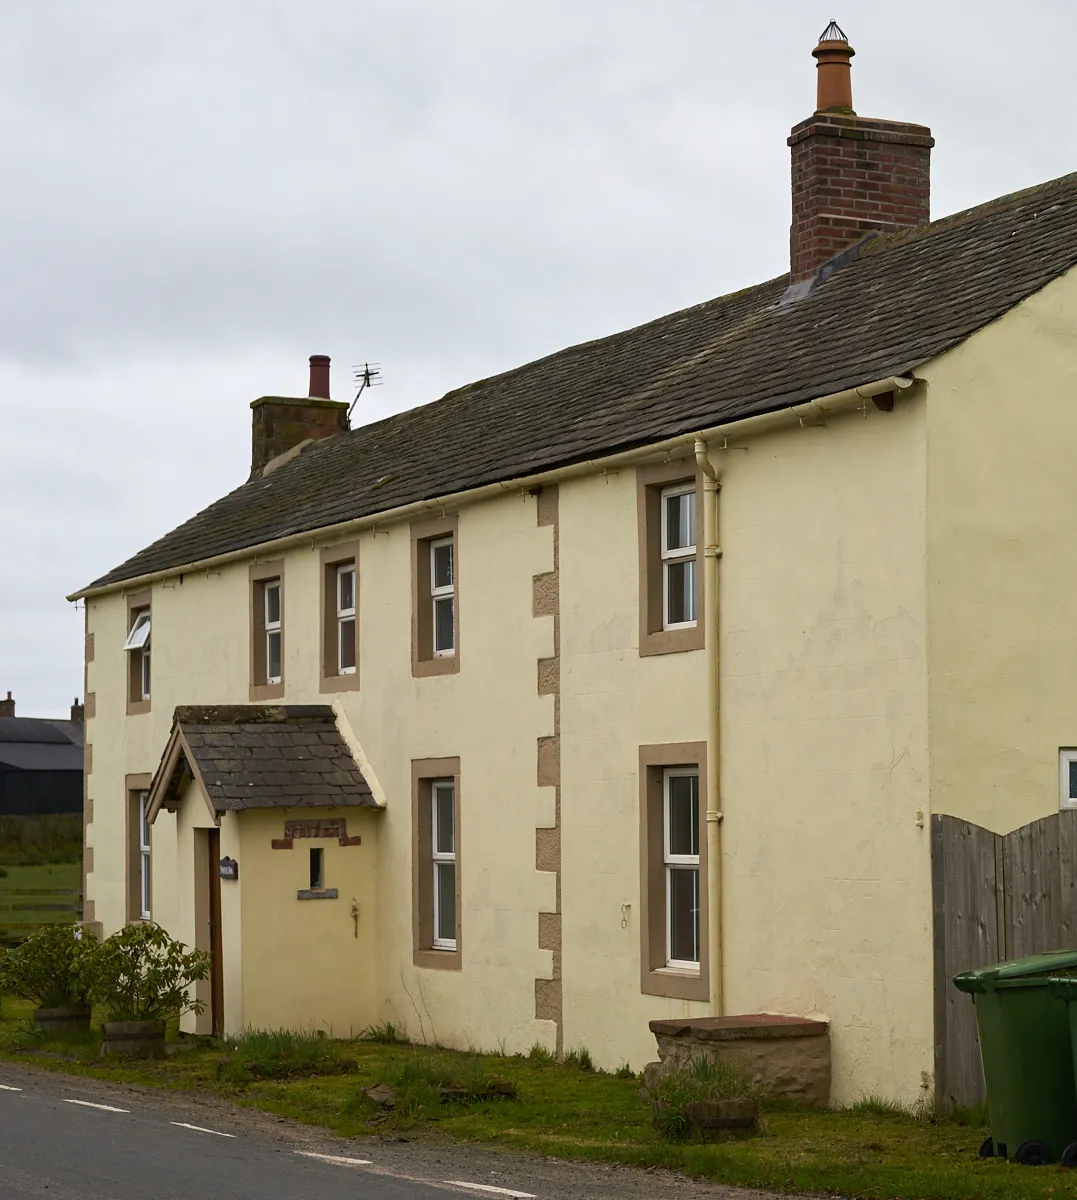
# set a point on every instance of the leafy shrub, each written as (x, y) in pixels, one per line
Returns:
(580, 1058)
(282, 1054)
(52, 967)
(700, 1079)
(142, 974)
(539, 1054)
(624, 1071)
(385, 1034)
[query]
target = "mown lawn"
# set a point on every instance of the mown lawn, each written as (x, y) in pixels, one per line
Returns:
(571, 1113)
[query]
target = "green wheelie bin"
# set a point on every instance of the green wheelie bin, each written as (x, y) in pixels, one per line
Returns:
(1065, 988)
(1027, 1056)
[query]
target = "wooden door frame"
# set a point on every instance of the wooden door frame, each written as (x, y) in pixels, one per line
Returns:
(216, 940)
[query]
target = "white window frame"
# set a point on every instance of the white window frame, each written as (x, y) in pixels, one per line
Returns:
(678, 555)
(1065, 757)
(138, 642)
(144, 872)
(675, 861)
(343, 616)
(440, 594)
(273, 627)
(442, 856)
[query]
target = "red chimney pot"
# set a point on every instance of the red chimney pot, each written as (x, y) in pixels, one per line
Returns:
(319, 377)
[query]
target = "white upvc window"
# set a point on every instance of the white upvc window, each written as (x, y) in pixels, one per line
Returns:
(443, 842)
(138, 643)
(346, 619)
(1067, 778)
(144, 856)
(679, 557)
(443, 596)
(273, 631)
(680, 799)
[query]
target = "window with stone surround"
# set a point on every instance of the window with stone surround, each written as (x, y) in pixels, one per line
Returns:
(673, 871)
(669, 514)
(139, 852)
(435, 597)
(267, 631)
(436, 863)
(340, 618)
(137, 648)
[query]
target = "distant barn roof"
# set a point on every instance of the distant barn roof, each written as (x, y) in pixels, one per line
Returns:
(906, 298)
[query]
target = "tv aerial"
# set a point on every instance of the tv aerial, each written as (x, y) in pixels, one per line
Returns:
(366, 376)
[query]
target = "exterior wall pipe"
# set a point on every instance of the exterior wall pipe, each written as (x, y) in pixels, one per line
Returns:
(711, 486)
(812, 412)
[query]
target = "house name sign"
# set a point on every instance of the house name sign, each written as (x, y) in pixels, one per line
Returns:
(229, 868)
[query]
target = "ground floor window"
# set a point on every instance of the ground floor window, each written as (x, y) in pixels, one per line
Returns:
(144, 856)
(673, 871)
(436, 915)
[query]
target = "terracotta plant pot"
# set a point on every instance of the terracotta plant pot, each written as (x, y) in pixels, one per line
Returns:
(73, 1018)
(137, 1039)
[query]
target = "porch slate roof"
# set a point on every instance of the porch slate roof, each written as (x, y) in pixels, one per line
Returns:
(900, 300)
(261, 756)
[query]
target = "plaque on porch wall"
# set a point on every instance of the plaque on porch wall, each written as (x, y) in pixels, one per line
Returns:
(229, 868)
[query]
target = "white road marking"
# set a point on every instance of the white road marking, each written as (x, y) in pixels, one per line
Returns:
(339, 1159)
(486, 1187)
(4, 1088)
(201, 1129)
(102, 1107)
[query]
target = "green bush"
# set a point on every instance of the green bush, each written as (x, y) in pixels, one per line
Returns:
(142, 974)
(624, 1071)
(52, 967)
(282, 1054)
(700, 1079)
(580, 1058)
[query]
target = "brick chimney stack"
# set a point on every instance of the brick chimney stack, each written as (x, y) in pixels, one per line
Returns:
(7, 707)
(78, 711)
(851, 175)
(283, 423)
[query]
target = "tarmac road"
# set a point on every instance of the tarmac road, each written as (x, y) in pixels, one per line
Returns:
(70, 1138)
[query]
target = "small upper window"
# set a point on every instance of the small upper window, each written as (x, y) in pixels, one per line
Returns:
(678, 557)
(273, 631)
(1067, 767)
(138, 646)
(346, 619)
(442, 592)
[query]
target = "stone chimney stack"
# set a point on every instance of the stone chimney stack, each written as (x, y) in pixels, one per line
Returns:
(78, 711)
(7, 707)
(283, 423)
(851, 175)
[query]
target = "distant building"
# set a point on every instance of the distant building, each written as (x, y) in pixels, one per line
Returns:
(40, 763)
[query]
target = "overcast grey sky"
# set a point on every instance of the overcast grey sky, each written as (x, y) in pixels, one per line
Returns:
(199, 194)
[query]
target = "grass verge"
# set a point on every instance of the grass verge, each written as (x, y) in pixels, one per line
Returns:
(872, 1150)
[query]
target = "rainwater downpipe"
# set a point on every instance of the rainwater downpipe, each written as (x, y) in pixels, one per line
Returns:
(711, 553)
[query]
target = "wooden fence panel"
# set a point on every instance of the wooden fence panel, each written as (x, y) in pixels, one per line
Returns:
(995, 898)
(964, 863)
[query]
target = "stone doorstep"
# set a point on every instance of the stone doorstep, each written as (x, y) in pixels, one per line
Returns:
(755, 1026)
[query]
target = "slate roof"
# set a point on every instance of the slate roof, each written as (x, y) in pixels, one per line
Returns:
(905, 299)
(264, 756)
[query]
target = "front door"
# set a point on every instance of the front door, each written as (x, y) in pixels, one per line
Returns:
(213, 843)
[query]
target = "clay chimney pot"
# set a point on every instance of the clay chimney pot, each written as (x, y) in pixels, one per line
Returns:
(833, 55)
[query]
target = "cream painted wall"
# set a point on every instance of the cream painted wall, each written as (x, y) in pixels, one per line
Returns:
(1002, 563)
(302, 964)
(824, 770)
(612, 702)
(824, 734)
